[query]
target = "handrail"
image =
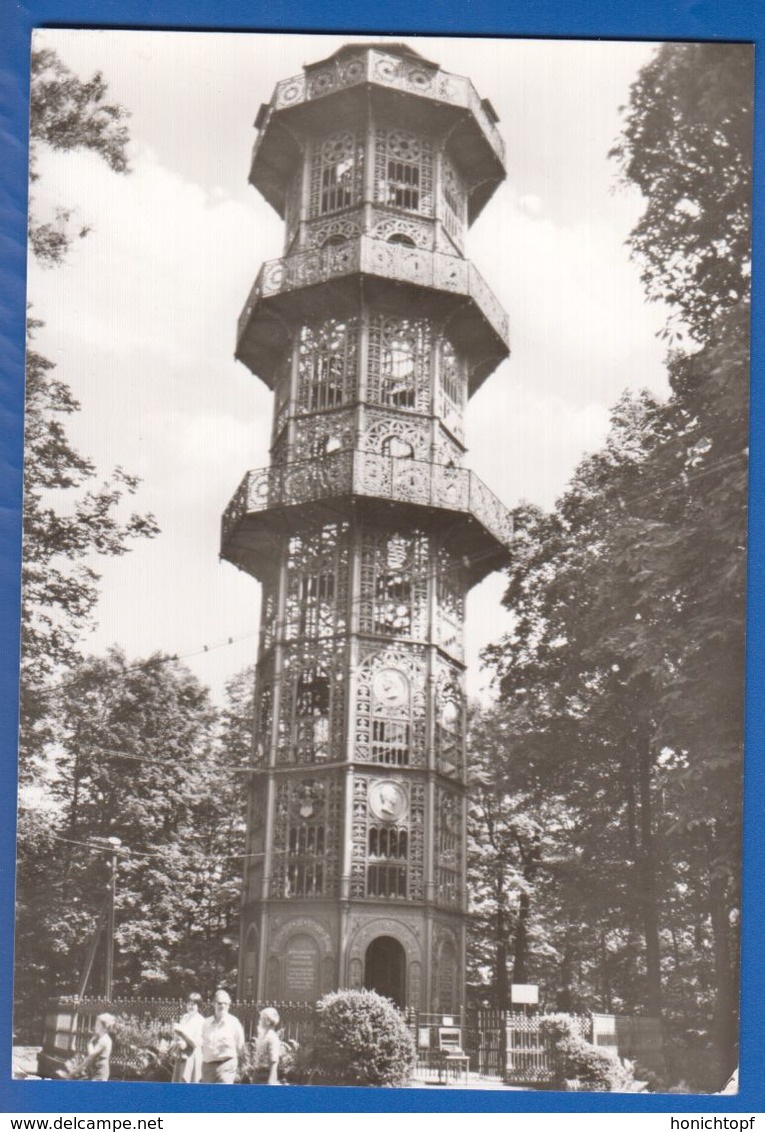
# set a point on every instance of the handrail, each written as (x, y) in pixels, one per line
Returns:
(352, 472)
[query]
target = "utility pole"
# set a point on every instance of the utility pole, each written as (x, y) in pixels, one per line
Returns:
(115, 843)
(112, 845)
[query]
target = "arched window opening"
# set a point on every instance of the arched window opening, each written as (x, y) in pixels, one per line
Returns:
(404, 171)
(388, 848)
(312, 715)
(334, 241)
(336, 170)
(327, 365)
(396, 447)
(400, 238)
(400, 363)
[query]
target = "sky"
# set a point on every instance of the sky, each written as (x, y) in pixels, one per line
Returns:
(140, 320)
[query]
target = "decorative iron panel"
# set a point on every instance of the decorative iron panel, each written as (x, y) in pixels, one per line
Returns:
(328, 369)
(312, 699)
(448, 848)
(317, 583)
(450, 720)
(399, 362)
(404, 170)
(451, 587)
(306, 837)
(394, 584)
(337, 173)
(390, 706)
(387, 846)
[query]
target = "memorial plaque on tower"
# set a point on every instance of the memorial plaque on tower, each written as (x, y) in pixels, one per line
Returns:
(301, 970)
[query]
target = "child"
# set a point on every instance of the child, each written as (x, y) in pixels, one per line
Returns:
(267, 1048)
(95, 1067)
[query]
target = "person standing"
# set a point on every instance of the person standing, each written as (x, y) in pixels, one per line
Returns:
(267, 1048)
(95, 1067)
(222, 1043)
(187, 1066)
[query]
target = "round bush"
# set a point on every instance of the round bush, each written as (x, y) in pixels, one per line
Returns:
(361, 1039)
(574, 1059)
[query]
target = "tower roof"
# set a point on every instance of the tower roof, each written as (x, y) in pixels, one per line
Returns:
(391, 47)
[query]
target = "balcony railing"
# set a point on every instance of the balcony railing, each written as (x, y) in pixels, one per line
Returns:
(372, 65)
(351, 472)
(376, 257)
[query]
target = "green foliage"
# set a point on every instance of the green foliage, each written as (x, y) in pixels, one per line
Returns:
(575, 1060)
(361, 1039)
(138, 756)
(68, 114)
(141, 1051)
(686, 145)
(67, 520)
(622, 678)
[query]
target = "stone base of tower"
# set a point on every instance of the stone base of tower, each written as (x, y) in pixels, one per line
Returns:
(297, 953)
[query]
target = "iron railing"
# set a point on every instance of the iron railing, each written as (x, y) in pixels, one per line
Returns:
(372, 65)
(351, 472)
(365, 254)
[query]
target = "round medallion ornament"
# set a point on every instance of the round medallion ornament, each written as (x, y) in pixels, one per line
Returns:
(352, 72)
(388, 801)
(390, 687)
(292, 92)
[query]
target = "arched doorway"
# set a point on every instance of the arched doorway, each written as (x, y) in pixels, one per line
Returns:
(385, 969)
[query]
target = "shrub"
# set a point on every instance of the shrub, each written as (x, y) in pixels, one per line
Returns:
(575, 1060)
(142, 1051)
(361, 1039)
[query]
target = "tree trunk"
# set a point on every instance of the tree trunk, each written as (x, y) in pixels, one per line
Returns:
(500, 973)
(521, 951)
(726, 998)
(646, 870)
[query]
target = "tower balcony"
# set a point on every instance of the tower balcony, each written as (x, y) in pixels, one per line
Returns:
(274, 501)
(364, 75)
(293, 289)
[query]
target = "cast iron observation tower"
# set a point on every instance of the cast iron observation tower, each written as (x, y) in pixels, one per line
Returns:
(366, 531)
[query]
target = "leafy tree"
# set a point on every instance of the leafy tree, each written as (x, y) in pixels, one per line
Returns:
(67, 520)
(142, 755)
(215, 854)
(686, 144)
(515, 831)
(67, 113)
(628, 599)
(690, 153)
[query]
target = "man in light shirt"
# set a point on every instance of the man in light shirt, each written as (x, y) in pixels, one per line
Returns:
(222, 1043)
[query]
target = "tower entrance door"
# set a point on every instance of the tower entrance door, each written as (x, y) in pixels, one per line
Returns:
(385, 969)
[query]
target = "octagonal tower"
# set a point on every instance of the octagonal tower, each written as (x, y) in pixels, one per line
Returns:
(366, 530)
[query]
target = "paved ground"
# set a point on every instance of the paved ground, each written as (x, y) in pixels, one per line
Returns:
(473, 1082)
(25, 1065)
(25, 1061)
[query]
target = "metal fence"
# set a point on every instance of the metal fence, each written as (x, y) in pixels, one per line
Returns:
(501, 1045)
(69, 1023)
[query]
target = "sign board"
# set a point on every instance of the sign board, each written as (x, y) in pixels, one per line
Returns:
(526, 994)
(301, 970)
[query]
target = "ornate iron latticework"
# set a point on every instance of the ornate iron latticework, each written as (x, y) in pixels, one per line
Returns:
(366, 531)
